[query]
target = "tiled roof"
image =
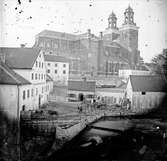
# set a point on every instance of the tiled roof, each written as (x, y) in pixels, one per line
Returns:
(8, 76)
(55, 34)
(20, 58)
(148, 83)
(55, 58)
(82, 85)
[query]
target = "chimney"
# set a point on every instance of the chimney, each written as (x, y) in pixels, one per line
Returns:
(101, 35)
(89, 33)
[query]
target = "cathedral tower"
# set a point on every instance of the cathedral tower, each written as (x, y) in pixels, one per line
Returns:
(111, 33)
(129, 35)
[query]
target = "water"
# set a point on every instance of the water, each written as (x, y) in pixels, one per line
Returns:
(122, 140)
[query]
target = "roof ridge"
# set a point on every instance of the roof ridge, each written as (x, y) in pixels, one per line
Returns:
(10, 74)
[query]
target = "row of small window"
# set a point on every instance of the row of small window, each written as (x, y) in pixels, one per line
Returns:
(64, 65)
(37, 76)
(39, 64)
(44, 89)
(64, 71)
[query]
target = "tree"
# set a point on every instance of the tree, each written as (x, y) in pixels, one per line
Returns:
(160, 64)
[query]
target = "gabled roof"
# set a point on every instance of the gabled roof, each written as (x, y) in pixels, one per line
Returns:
(55, 58)
(88, 86)
(55, 34)
(20, 58)
(148, 83)
(8, 76)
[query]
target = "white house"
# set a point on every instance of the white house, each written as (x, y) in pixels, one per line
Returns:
(11, 88)
(57, 69)
(77, 89)
(145, 92)
(29, 64)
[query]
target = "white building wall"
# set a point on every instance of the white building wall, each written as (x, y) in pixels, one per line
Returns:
(129, 91)
(38, 95)
(58, 71)
(147, 101)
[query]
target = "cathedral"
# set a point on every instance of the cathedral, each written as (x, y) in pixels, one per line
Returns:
(113, 49)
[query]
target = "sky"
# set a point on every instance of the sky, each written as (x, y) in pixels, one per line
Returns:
(20, 22)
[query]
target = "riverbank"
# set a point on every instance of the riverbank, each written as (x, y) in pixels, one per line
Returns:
(63, 126)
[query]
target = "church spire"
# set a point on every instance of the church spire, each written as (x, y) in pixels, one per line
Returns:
(129, 16)
(112, 21)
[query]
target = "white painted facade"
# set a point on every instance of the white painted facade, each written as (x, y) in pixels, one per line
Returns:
(142, 100)
(58, 71)
(14, 98)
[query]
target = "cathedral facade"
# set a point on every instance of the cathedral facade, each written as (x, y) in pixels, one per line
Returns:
(115, 48)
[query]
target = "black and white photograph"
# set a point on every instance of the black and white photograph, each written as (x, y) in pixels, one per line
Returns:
(83, 80)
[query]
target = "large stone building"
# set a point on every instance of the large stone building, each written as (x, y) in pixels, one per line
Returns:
(114, 49)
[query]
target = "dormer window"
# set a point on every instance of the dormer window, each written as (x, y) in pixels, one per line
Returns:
(143, 93)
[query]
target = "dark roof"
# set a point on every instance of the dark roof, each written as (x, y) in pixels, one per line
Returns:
(148, 83)
(55, 34)
(48, 78)
(20, 58)
(88, 86)
(8, 76)
(55, 58)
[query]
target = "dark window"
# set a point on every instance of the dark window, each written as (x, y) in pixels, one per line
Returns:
(48, 64)
(36, 76)
(56, 65)
(143, 93)
(39, 64)
(42, 76)
(42, 65)
(32, 76)
(39, 76)
(48, 71)
(32, 92)
(36, 64)
(55, 71)
(64, 72)
(24, 95)
(64, 65)
(28, 93)
(23, 108)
